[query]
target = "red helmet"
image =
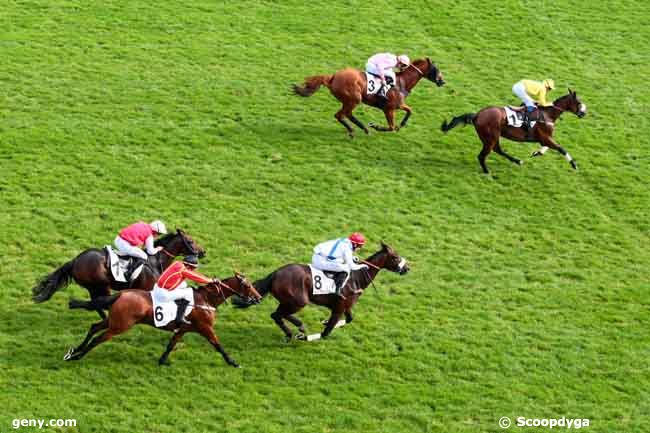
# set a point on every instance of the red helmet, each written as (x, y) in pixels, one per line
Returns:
(357, 238)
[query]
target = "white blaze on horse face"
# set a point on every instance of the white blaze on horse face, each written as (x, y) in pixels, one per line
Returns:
(582, 108)
(401, 265)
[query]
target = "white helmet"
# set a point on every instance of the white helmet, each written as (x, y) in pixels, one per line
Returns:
(159, 227)
(403, 58)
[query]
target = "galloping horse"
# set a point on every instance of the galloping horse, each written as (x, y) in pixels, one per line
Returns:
(291, 285)
(349, 86)
(131, 307)
(90, 269)
(491, 123)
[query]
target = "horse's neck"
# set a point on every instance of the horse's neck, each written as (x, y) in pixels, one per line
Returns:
(216, 299)
(410, 78)
(555, 111)
(366, 276)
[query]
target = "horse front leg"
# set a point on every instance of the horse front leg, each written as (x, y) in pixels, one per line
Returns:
(550, 143)
(172, 343)
(409, 111)
(390, 118)
(209, 334)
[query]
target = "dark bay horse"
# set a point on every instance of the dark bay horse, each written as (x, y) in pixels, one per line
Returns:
(349, 86)
(291, 285)
(90, 269)
(131, 307)
(491, 124)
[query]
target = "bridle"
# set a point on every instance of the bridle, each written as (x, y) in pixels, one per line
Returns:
(416, 68)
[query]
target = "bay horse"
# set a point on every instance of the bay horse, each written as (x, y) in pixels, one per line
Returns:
(291, 285)
(350, 87)
(91, 271)
(491, 124)
(133, 306)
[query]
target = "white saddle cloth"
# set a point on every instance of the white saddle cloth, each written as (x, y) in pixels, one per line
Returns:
(164, 307)
(321, 283)
(120, 266)
(374, 83)
(516, 118)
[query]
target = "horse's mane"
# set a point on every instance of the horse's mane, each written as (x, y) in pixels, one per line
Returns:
(165, 239)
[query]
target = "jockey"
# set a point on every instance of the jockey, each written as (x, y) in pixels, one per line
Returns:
(382, 64)
(336, 256)
(174, 278)
(131, 238)
(529, 92)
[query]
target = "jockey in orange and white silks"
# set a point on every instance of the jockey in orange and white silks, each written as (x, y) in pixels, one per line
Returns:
(132, 238)
(382, 64)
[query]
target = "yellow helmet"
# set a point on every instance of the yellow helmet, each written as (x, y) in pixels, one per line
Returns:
(549, 83)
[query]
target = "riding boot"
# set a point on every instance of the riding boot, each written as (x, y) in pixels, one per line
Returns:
(135, 264)
(526, 122)
(339, 279)
(180, 312)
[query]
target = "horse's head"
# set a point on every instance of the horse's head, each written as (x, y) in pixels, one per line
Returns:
(572, 103)
(180, 243)
(393, 261)
(433, 73)
(219, 290)
(243, 288)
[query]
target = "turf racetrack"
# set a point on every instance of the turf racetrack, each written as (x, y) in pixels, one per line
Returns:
(528, 293)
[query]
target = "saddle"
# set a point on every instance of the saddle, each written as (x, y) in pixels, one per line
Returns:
(125, 268)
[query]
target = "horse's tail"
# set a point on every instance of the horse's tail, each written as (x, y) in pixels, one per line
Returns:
(52, 282)
(312, 84)
(99, 303)
(262, 286)
(463, 120)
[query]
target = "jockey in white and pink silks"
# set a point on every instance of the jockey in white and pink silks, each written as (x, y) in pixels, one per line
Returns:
(382, 64)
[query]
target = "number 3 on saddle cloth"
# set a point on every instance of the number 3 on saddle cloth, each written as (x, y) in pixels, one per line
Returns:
(374, 83)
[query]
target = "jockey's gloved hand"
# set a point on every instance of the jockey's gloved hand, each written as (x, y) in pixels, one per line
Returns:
(356, 259)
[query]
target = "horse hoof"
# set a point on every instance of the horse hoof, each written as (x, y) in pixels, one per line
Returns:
(301, 336)
(165, 362)
(537, 153)
(68, 355)
(574, 165)
(520, 162)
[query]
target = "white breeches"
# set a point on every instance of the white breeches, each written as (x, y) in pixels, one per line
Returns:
(519, 90)
(370, 67)
(165, 295)
(125, 247)
(323, 264)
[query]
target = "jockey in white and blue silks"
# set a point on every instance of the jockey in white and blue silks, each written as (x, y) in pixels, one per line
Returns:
(337, 256)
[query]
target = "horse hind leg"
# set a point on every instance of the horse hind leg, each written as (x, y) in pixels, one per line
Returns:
(511, 158)
(489, 142)
(340, 116)
(296, 322)
(101, 338)
(283, 312)
(94, 329)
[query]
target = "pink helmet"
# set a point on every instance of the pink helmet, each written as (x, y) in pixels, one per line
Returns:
(357, 238)
(403, 58)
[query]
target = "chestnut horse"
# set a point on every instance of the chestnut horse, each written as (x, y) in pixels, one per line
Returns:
(90, 269)
(291, 285)
(349, 86)
(491, 124)
(131, 307)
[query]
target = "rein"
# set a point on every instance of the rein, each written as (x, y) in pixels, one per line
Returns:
(416, 68)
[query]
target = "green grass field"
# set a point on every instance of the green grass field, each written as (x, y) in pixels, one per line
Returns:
(528, 294)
